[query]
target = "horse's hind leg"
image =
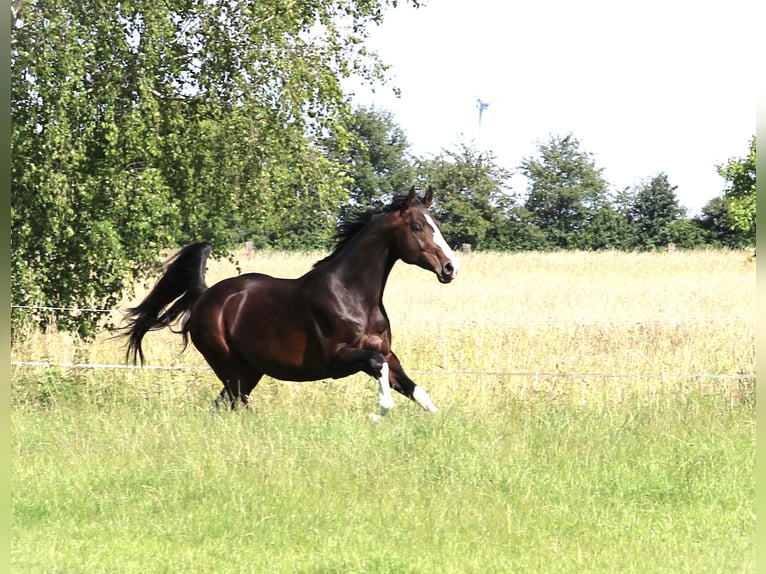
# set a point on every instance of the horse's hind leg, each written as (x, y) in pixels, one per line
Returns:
(238, 377)
(237, 386)
(234, 391)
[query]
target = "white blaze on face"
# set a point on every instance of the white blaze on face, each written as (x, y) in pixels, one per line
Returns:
(442, 243)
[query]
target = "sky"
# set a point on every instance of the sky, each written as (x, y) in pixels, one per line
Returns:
(658, 86)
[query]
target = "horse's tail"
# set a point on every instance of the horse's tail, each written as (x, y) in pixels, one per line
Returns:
(173, 295)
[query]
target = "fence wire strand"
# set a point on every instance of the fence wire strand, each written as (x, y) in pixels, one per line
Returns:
(578, 321)
(447, 373)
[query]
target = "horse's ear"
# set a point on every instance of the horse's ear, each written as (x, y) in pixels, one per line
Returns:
(412, 197)
(428, 197)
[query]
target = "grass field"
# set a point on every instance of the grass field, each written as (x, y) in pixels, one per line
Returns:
(577, 434)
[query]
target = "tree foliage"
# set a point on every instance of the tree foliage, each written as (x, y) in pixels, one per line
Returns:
(739, 194)
(376, 158)
(139, 125)
(715, 225)
(653, 211)
(472, 200)
(566, 191)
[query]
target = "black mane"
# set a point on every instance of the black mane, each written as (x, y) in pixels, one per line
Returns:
(354, 222)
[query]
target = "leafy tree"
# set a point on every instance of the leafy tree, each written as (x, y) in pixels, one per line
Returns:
(653, 210)
(607, 229)
(565, 192)
(376, 157)
(84, 174)
(471, 199)
(739, 194)
(514, 230)
(138, 125)
(686, 234)
(715, 225)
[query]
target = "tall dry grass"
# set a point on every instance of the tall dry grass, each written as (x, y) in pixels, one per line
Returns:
(591, 325)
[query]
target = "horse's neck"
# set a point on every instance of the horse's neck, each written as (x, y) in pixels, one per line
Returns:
(364, 264)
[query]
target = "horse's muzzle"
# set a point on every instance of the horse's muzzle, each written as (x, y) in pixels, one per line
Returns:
(448, 272)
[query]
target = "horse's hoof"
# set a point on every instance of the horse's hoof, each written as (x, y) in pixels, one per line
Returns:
(376, 417)
(386, 403)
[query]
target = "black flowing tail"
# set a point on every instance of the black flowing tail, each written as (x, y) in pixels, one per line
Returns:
(175, 293)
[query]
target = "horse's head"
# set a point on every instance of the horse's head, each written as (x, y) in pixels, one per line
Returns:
(419, 241)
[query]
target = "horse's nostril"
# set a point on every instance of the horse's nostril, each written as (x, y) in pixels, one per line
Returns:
(448, 268)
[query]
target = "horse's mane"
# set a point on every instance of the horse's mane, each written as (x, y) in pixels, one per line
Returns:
(356, 220)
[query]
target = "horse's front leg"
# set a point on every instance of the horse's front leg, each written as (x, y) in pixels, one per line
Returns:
(385, 400)
(349, 360)
(406, 386)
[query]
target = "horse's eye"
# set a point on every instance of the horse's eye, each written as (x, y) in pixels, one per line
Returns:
(416, 227)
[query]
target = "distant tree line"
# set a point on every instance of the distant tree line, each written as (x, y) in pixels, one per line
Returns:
(568, 203)
(140, 126)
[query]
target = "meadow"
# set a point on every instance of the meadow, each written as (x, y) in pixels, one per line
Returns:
(597, 415)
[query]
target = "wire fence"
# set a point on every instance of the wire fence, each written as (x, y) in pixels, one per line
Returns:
(489, 320)
(446, 373)
(67, 309)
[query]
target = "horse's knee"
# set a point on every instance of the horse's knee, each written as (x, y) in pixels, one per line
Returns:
(353, 360)
(376, 362)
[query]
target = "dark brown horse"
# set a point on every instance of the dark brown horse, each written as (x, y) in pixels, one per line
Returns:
(328, 323)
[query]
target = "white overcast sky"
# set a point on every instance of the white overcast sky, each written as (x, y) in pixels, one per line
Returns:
(647, 87)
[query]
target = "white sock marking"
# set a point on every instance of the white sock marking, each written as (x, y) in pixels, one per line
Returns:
(443, 245)
(420, 396)
(385, 400)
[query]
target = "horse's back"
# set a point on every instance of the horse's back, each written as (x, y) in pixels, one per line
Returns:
(253, 291)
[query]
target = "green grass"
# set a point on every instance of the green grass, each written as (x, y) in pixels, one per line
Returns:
(535, 468)
(306, 483)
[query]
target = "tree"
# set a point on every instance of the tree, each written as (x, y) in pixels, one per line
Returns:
(686, 234)
(607, 229)
(139, 125)
(514, 230)
(654, 209)
(376, 157)
(565, 192)
(470, 199)
(739, 194)
(716, 227)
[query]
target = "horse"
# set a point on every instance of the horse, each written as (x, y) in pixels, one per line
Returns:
(328, 323)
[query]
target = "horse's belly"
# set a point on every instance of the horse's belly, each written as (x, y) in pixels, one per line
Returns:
(284, 353)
